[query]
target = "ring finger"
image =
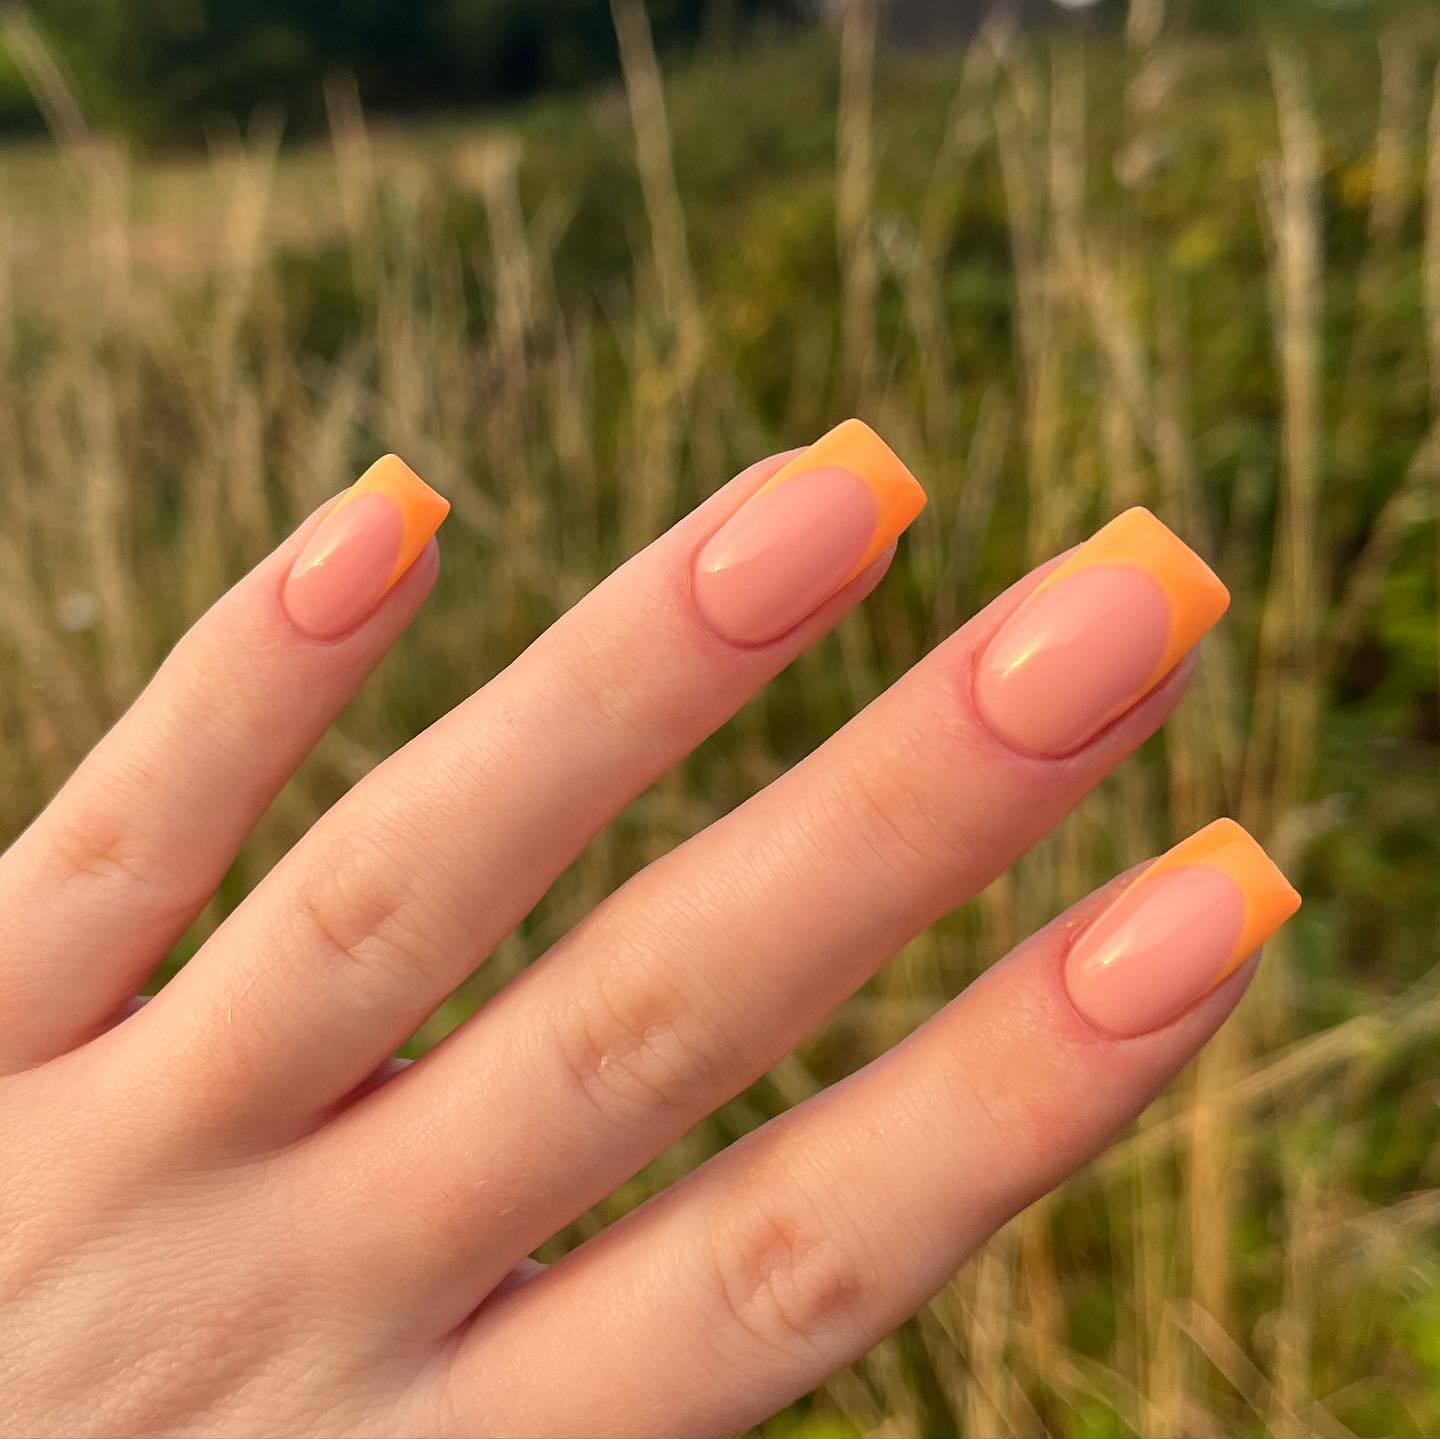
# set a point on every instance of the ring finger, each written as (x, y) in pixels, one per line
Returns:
(708, 966)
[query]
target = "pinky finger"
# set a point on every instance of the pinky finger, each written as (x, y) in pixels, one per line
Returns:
(804, 1244)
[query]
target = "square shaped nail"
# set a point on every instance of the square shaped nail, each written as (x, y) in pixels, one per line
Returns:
(1184, 925)
(1096, 635)
(820, 521)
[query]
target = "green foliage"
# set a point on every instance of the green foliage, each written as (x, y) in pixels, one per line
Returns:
(17, 108)
(165, 69)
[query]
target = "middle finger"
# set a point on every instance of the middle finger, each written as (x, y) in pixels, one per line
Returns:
(403, 888)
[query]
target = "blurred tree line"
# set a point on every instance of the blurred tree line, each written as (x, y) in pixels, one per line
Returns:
(165, 68)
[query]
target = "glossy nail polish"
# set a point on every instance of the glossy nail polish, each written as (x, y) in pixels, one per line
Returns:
(813, 527)
(1096, 635)
(1186, 923)
(373, 534)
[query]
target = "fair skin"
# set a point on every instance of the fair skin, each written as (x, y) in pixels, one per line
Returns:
(226, 1212)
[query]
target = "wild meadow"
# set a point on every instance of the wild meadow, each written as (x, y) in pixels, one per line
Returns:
(1063, 274)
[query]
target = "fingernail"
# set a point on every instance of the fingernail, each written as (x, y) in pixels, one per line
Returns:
(814, 525)
(1184, 925)
(375, 532)
(1096, 635)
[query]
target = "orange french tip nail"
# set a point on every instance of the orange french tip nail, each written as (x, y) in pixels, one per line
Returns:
(1270, 899)
(422, 509)
(1180, 928)
(1196, 594)
(852, 445)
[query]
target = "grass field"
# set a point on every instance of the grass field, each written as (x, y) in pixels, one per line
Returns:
(1198, 272)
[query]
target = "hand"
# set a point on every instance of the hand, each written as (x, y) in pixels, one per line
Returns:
(226, 1213)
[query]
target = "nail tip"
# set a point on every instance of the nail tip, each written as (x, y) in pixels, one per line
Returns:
(865, 432)
(1198, 595)
(1203, 574)
(861, 448)
(1282, 899)
(441, 508)
(427, 507)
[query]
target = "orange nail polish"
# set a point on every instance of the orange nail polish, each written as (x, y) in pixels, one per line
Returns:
(815, 525)
(372, 535)
(1183, 926)
(422, 510)
(852, 445)
(1096, 635)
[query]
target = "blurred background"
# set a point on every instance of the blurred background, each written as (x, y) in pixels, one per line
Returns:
(579, 263)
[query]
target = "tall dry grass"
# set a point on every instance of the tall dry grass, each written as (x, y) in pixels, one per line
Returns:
(1221, 1270)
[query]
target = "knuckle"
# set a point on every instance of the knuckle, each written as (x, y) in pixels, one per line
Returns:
(896, 823)
(638, 1047)
(782, 1278)
(97, 847)
(1009, 1125)
(602, 688)
(208, 680)
(363, 912)
(965, 1092)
